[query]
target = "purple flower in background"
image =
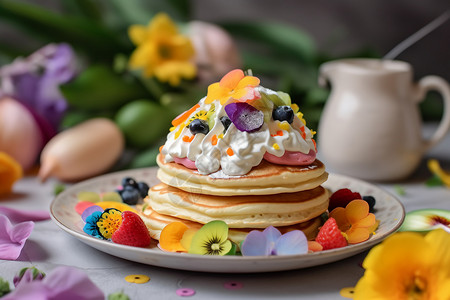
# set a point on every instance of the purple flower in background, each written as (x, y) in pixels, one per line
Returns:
(64, 282)
(272, 242)
(35, 80)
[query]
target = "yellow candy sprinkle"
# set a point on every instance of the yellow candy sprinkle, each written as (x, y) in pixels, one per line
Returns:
(300, 116)
(137, 278)
(347, 292)
(284, 125)
(220, 136)
(313, 132)
(276, 146)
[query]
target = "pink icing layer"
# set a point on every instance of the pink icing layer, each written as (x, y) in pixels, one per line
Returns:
(289, 158)
(292, 158)
(185, 162)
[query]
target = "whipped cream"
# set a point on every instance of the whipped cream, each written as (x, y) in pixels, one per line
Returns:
(235, 152)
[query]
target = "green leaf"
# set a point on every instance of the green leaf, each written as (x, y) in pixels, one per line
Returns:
(88, 36)
(434, 181)
(99, 88)
(278, 37)
(4, 287)
(83, 8)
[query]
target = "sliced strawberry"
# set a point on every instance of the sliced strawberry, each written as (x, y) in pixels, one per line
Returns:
(330, 236)
(341, 198)
(132, 231)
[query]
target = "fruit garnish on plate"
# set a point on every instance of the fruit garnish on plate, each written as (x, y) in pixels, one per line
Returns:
(424, 220)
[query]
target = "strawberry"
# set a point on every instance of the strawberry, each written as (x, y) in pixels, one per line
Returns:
(330, 236)
(132, 231)
(341, 198)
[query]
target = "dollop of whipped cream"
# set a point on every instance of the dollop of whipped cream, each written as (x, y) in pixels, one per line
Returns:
(232, 151)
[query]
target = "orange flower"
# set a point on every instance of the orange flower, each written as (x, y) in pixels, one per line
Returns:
(234, 85)
(176, 237)
(355, 221)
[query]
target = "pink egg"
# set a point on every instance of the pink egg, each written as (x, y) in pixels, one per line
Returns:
(20, 136)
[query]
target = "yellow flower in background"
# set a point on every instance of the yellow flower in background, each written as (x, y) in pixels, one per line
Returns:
(162, 51)
(10, 172)
(407, 265)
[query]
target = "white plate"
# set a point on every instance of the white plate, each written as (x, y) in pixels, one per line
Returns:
(389, 211)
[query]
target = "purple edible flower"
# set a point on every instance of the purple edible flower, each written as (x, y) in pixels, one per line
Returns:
(35, 81)
(272, 242)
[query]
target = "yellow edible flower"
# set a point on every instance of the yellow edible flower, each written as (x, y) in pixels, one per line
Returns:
(407, 265)
(162, 51)
(10, 172)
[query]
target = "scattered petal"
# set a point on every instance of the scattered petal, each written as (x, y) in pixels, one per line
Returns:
(13, 237)
(17, 216)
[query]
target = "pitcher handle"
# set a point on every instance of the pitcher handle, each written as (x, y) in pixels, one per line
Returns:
(438, 84)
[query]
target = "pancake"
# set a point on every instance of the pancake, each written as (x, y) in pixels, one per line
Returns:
(264, 179)
(156, 222)
(250, 211)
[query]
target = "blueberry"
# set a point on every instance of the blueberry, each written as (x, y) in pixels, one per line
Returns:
(226, 122)
(283, 113)
(130, 195)
(129, 181)
(371, 201)
(143, 189)
(198, 126)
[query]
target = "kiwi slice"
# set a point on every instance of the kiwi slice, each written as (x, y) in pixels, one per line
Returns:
(424, 220)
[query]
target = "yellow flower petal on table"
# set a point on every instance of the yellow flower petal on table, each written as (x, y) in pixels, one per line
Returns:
(10, 172)
(407, 265)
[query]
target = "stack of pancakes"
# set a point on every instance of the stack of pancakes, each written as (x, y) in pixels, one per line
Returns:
(286, 197)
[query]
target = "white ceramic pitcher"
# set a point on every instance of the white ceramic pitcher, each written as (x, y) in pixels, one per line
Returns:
(371, 126)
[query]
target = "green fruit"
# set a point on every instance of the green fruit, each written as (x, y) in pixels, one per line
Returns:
(424, 220)
(279, 99)
(143, 122)
(88, 196)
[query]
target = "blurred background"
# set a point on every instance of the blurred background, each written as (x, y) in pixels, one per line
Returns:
(283, 43)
